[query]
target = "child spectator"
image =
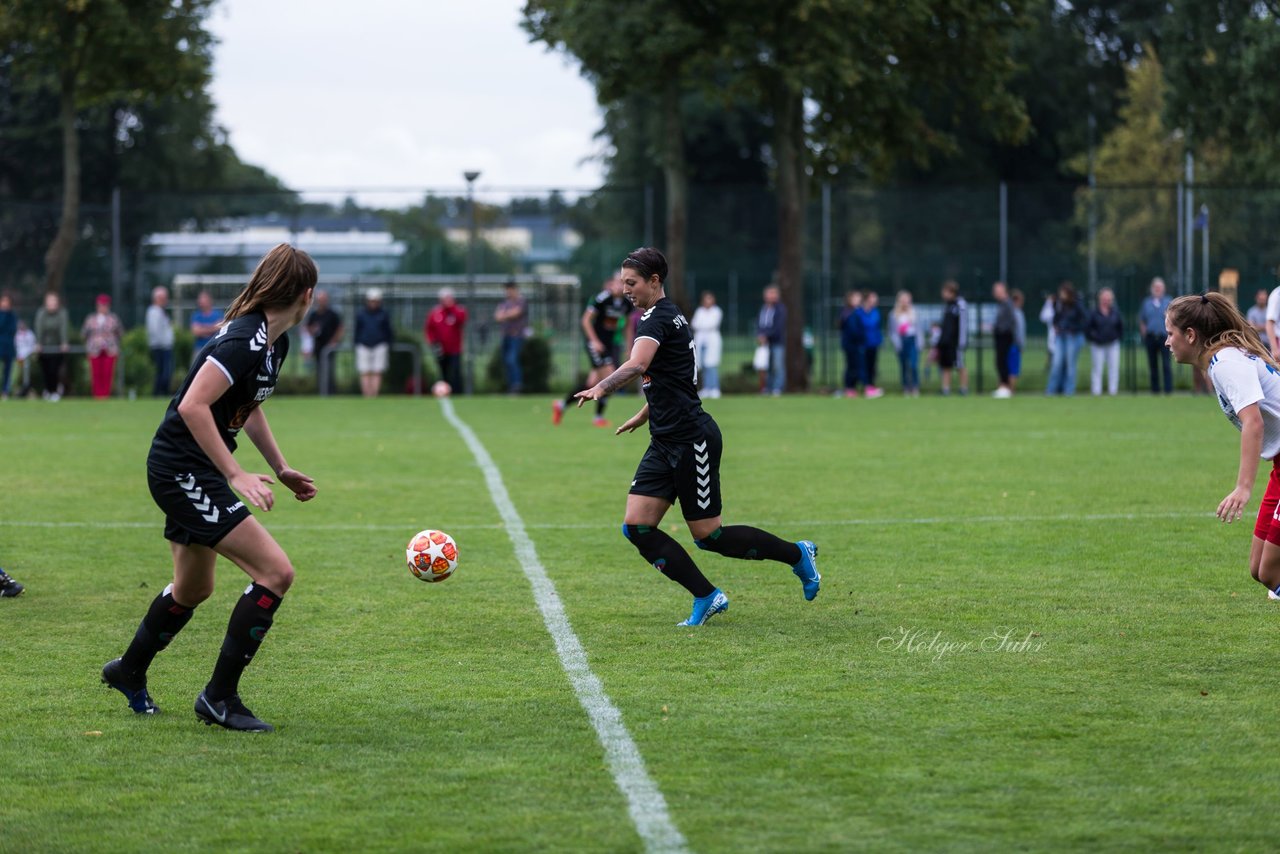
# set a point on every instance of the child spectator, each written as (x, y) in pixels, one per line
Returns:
(1019, 338)
(904, 333)
(873, 337)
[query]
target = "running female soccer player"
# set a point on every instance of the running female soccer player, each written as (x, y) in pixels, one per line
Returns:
(1209, 333)
(683, 459)
(191, 472)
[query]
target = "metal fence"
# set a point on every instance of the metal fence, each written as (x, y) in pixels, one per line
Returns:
(911, 238)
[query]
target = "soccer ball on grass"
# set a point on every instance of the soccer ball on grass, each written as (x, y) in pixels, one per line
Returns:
(432, 555)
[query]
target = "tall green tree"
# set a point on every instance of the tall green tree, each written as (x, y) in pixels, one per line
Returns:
(854, 88)
(1219, 63)
(101, 52)
(630, 48)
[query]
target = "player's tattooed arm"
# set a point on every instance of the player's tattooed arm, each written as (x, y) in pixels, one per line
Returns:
(619, 378)
(642, 354)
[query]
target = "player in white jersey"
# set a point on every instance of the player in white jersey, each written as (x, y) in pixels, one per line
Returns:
(1209, 332)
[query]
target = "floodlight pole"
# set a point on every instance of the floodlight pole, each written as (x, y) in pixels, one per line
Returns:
(471, 176)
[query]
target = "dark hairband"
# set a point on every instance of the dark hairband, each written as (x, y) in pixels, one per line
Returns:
(1204, 299)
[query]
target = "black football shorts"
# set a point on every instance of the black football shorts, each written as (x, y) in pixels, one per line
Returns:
(199, 506)
(608, 357)
(688, 472)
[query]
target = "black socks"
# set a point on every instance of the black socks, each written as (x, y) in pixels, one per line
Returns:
(747, 543)
(250, 621)
(669, 558)
(164, 619)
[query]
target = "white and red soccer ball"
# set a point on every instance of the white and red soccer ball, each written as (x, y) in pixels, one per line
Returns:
(432, 555)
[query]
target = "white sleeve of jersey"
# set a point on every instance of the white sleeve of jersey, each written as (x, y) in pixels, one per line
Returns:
(1273, 305)
(1235, 376)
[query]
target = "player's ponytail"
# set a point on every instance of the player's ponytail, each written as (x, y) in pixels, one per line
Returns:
(281, 277)
(1218, 323)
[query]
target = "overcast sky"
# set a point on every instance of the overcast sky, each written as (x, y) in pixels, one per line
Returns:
(400, 93)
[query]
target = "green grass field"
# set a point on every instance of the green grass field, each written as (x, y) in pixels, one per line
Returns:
(1129, 709)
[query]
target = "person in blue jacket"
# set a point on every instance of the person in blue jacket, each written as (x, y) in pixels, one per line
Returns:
(852, 339)
(873, 337)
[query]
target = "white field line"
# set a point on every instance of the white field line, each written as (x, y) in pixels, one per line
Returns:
(581, 526)
(644, 800)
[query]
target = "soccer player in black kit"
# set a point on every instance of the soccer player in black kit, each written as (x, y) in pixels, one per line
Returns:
(683, 459)
(192, 475)
(600, 323)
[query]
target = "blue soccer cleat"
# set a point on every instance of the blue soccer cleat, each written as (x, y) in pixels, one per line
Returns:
(707, 607)
(133, 688)
(807, 569)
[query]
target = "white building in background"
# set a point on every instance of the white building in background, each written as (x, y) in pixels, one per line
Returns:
(168, 254)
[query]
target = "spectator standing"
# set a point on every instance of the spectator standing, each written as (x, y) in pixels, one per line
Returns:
(954, 337)
(873, 337)
(52, 341)
(373, 343)
(1257, 316)
(1019, 339)
(325, 328)
(1272, 337)
(1004, 331)
(904, 332)
(1051, 338)
(513, 315)
(160, 341)
(1151, 327)
(707, 343)
(102, 331)
(444, 328)
(771, 332)
(1069, 321)
(204, 323)
(8, 343)
(935, 336)
(852, 340)
(1104, 330)
(24, 344)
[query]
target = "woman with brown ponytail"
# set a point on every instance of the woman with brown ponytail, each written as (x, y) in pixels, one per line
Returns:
(1209, 332)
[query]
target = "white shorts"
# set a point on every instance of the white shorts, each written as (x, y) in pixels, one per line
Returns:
(372, 360)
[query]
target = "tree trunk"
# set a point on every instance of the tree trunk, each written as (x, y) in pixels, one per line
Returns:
(675, 171)
(58, 254)
(790, 182)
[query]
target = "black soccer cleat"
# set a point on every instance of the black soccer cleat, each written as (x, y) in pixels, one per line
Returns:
(8, 587)
(230, 714)
(133, 687)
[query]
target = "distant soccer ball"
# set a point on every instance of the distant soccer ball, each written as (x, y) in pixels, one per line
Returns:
(441, 389)
(432, 555)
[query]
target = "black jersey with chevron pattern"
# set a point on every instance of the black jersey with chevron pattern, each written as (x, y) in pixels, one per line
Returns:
(241, 353)
(671, 382)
